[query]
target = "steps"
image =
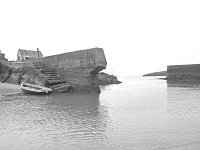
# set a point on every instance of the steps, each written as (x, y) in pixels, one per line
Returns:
(52, 77)
(38, 65)
(61, 88)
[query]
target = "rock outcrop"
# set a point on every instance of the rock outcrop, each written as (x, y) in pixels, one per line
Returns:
(21, 71)
(106, 79)
(5, 72)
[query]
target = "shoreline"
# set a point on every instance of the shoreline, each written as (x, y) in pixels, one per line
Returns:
(9, 89)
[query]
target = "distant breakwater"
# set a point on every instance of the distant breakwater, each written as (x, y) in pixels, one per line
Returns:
(183, 72)
(180, 72)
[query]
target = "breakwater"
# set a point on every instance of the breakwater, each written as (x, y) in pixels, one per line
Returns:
(190, 71)
(76, 71)
(79, 68)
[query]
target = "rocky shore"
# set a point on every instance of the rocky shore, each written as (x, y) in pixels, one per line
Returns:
(106, 79)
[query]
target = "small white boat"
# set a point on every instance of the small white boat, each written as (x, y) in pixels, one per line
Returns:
(35, 89)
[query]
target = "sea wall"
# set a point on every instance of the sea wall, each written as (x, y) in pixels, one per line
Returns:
(79, 68)
(190, 71)
(83, 61)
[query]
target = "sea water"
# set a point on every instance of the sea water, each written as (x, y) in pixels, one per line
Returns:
(142, 113)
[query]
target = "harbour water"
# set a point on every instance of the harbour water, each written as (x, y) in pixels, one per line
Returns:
(142, 113)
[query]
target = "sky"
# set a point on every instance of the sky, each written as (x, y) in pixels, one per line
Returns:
(138, 36)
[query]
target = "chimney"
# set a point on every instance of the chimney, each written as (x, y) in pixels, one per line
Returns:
(38, 52)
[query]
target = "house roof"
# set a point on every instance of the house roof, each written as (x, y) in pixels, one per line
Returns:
(31, 53)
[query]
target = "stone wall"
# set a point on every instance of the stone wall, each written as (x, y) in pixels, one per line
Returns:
(78, 61)
(80, 68)
(2, 57)
(191, 71)
(14, 64)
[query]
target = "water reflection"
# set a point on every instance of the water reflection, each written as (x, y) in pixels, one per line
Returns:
(64, 118)
(182, 121)
(183, 97)
(183, 83)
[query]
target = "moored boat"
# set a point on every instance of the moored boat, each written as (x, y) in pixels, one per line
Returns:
(35, 89)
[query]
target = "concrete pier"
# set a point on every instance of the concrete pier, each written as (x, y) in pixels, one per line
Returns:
(79, 69)
(190, 71)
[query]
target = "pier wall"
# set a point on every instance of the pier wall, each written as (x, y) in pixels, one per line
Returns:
(81, 61)
(80, 68)
(190, 71)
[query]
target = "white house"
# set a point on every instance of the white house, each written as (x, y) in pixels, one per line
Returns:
(23, 54)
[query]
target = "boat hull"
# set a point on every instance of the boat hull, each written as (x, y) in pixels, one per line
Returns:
(37, 93)
(35, 89)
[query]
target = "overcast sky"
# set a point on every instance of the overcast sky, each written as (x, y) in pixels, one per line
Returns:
(138, 36)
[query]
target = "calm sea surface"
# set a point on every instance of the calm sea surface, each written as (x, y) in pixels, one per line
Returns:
(142, 113)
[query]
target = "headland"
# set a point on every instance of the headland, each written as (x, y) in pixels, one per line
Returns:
(160, 73)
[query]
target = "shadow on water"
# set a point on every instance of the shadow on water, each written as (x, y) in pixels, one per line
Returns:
(65, 118)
